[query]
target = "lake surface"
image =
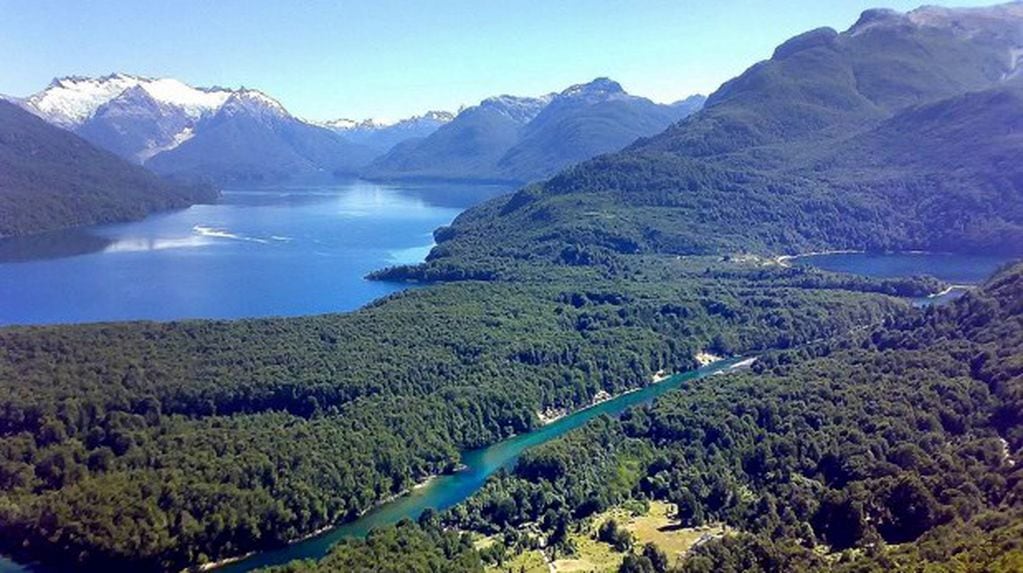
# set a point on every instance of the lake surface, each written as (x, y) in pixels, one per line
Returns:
(281, 251)
(963, 272)
(951, 268)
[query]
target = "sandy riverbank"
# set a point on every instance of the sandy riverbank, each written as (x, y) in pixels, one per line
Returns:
(706, 358)
(550, 415)
(218, 564)
(783, 260)
(950, 289)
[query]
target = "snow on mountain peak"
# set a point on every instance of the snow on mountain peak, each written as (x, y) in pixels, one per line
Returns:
(342, 124)
(194, 101)
(600, 89)
(599, 85)
(253, 102)
(70, 101)
(520, 109)
(438, 116)
(374, 124)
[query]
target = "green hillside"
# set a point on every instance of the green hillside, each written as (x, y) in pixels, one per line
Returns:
(52, 179)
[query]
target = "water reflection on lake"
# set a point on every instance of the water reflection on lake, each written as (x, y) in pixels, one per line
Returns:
(280, 251)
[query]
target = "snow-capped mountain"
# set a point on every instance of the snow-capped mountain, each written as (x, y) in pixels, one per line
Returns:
(139, 117)
(253, 138)
(136, 117)
(382, 135)
(213, 134)
(70, 101)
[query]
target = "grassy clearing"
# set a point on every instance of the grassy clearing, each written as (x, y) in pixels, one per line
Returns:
(659, 528)
(531, 561)
(654, 526)
(591, 555)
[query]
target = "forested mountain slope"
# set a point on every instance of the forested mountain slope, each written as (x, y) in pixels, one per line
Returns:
(52, 179)
(583, 122)
(467, 147)
(901, 133)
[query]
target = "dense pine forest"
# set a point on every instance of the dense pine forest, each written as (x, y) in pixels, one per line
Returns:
(169, 444)
(895, 448)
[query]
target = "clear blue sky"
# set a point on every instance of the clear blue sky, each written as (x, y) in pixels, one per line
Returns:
(394, 58)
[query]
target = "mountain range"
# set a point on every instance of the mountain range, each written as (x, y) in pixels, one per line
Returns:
(211, 134)
(382, 136)
(522, 139)
(224, 135)
(902, 133)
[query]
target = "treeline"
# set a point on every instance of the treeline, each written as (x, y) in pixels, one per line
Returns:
(164, 445)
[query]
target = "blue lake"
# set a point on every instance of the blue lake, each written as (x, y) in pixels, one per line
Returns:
(951, 268)
(281, 251)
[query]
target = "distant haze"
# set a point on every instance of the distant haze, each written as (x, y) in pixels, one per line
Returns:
(390, 59)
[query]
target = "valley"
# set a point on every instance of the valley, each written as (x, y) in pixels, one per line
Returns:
(788, 316)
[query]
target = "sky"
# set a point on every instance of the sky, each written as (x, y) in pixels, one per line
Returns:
(390, 59)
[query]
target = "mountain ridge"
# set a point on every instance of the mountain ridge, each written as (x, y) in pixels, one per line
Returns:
(510, 138)
(252, 138)
(146, 120)
(839, 141)
(383, 136)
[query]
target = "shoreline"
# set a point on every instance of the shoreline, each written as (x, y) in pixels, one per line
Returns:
(214, 565)
(746, 363)
(551, 415)
(951, 288)
(599, 398)
(783, 260)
